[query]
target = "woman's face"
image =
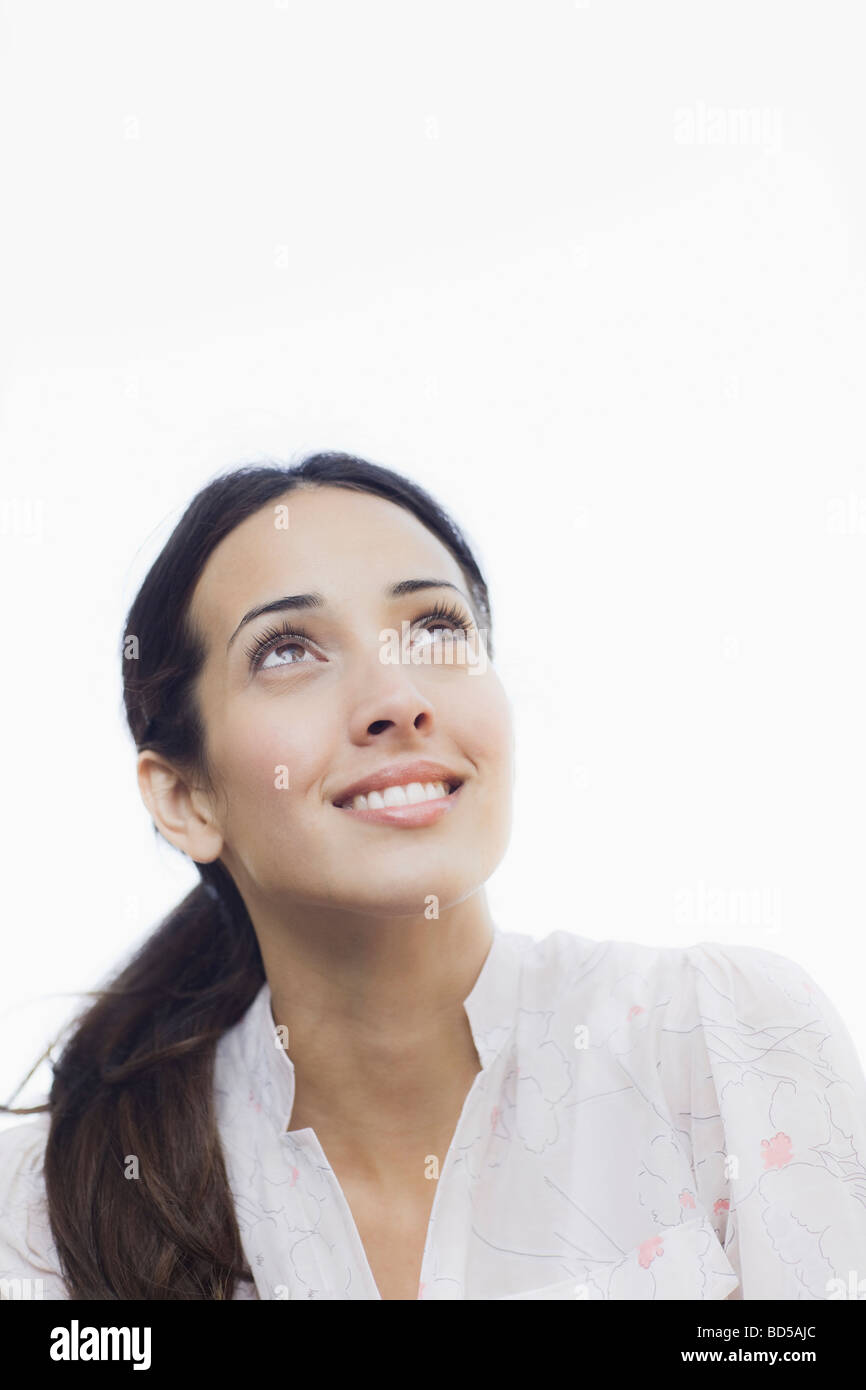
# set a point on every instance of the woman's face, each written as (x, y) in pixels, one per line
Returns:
(287, 736)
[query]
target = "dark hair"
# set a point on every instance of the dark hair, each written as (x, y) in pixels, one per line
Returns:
(136, 1075)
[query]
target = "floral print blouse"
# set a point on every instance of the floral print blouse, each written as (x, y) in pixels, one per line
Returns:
(648, 1123)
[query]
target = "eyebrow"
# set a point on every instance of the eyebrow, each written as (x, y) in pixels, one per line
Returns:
(316, 600)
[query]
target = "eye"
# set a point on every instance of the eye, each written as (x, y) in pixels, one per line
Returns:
(285, 636)
(446, 613)
(279, 638)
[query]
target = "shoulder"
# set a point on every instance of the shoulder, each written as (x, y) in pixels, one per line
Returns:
(735, 1005)
(28, 1261)
(566, 971)
(752, 974)
(22, 1147)
(730, 982)
(770, 1006)
(766, 1031)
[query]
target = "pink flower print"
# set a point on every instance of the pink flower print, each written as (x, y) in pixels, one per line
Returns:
(295, 1175)
(687, 1199)
(254, 1103)
(777, 1151)
(494, 1116)
(721, 1204)
(634, 1011)
(648, 1249)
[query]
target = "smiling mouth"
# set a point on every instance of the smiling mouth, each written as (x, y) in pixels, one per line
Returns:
(407, 815)
(408, 794)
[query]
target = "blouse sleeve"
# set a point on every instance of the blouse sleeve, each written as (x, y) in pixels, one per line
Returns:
(29, 1267)
(777, 1124)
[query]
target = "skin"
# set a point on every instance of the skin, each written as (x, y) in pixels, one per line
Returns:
(370, 988)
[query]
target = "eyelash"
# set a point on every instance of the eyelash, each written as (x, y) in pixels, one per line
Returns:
(271, 639)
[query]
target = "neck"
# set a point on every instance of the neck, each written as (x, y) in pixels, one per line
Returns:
(377, 1032)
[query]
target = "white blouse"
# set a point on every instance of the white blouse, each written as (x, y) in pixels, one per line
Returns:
(648, 1123)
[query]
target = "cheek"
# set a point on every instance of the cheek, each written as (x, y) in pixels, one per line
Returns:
(263, 764)
(486, 731)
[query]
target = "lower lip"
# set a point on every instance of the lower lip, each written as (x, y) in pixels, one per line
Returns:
(419, 813)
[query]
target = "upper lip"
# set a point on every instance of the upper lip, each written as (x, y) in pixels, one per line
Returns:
(398, 775)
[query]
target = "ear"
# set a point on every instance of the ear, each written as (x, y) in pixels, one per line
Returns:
(180, 813)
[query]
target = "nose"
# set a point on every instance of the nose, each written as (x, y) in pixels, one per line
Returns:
(391, 699)
(378, 726)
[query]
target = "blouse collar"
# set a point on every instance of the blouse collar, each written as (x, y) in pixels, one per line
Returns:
(490, 1006)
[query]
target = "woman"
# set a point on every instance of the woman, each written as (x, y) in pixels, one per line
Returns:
(329, 1073)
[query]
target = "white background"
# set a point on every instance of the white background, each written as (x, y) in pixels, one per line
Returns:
(593, 274)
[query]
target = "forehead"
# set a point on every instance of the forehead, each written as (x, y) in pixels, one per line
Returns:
(342, 543)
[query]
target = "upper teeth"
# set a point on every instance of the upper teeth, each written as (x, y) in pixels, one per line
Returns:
(399, 796)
